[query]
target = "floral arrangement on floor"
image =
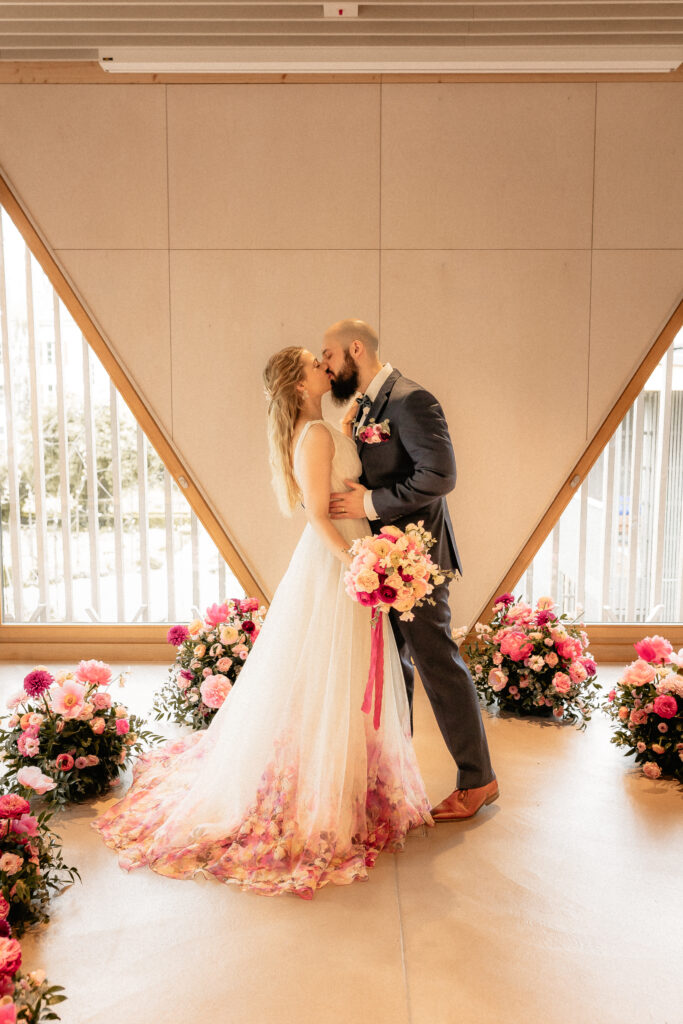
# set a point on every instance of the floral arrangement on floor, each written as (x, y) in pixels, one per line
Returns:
(647, 708)
(533, 661)
(211, 654)
(25, 998)
(31, 864)
(71, 729)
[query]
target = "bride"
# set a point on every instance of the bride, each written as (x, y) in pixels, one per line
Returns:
(290, 787)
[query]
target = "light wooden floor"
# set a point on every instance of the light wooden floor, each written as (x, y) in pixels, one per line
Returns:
(559, 904)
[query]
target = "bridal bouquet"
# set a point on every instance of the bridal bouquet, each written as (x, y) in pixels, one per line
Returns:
(647, 708)
(31, 865)
(211, 654)
(533, 661)
(390, 570)
(70, 730)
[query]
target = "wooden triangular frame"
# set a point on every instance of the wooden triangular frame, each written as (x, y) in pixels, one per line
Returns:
(15, 640)
(612, 637)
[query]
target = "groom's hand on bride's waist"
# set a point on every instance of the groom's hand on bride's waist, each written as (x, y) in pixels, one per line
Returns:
(348, 504)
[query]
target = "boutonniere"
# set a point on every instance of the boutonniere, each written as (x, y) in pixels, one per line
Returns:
(375, 433)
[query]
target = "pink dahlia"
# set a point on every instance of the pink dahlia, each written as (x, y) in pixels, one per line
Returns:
(10, 956)
(95, 672)
(214, 690)
(38, 682)
(13, 806)
(177, 635)
(666, 706)
(654, 649)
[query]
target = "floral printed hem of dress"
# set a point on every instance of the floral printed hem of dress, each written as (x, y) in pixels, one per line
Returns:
(271, 851)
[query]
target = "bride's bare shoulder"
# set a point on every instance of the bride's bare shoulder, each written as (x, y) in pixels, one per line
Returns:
(314, 438)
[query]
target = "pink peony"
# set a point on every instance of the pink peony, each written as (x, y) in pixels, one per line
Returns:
(214, 690)
(562, 682)
(68, 699)
(638, 673)
(13, 806)
(569, 648)
(32, 777)
(10, 956)
(216, 614)
(38, 682)
(100, 701)
(122, 726)
(577, 672)
(26, 825)
(666, 706)
(177, 635)
(551, 659)
(65, 762)
(98, 725)
(516, 646)
(652, 770)
(654, 649)
(96, 672)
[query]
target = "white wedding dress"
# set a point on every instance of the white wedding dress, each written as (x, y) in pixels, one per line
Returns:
(290, 787)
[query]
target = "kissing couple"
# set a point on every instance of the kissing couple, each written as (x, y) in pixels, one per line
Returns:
(292, 786)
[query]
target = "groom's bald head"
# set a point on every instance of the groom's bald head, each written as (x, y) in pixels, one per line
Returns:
(347, 331)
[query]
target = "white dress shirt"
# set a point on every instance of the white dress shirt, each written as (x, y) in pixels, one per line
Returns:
(372, 391)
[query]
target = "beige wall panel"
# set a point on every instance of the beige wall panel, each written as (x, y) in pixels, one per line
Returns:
(127, 293)
(487, 166)
(634, 294)
(231, 311)
(89, 163)
(639, 166)
(267, 167)
(501, 338)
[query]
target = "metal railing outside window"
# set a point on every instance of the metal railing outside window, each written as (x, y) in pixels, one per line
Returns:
(92, 526)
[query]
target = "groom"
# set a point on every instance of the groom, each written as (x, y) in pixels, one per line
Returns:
(406, 477)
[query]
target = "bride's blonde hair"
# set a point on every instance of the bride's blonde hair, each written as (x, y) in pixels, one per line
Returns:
(283, 372)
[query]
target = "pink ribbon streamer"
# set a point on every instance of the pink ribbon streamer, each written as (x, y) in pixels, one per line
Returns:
(376, 674)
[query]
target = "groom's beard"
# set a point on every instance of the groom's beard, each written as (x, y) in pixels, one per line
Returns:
(345, 384)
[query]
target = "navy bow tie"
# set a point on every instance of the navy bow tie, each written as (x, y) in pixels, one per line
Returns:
(364, 402)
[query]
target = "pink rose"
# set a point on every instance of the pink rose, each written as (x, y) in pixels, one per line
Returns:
(92, 759)
(654, 649)
(551, 659)
(665, 706)
(122, 726)
(638, 717)
(611, 695)
(577, 672)
(223, 664)
(652, 770)
(101, 701)
(640, 746)
(623, 713)
(568, 648)
(98, 725)
(657, 748)
(638, 673)
(663, 727)
(206, 672)
(497, 658)
(10, 863)
(214, 690)
(81, 763)
(96, 672)
(10, 956)
(562, 682)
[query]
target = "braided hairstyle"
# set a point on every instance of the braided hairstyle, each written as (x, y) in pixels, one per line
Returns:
(283, 372)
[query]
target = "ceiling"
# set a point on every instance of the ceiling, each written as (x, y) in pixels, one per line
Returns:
(56, 30)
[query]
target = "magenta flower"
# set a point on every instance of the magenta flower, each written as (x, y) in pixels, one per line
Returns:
(544, 617)
(666, 706)
(38, 682)
(177, 635)
(387, 594)
(505, 599)
(367, 599)
(185, 674)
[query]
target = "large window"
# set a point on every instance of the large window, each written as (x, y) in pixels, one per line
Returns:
(616, 555)
(92, 527)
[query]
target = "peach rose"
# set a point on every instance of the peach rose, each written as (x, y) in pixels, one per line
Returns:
(638, 673)
(562, 682)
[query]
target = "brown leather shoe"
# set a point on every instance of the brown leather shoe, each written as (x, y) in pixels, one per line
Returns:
(463, 803)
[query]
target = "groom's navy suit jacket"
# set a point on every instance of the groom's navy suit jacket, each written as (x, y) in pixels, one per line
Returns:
(411, 473)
